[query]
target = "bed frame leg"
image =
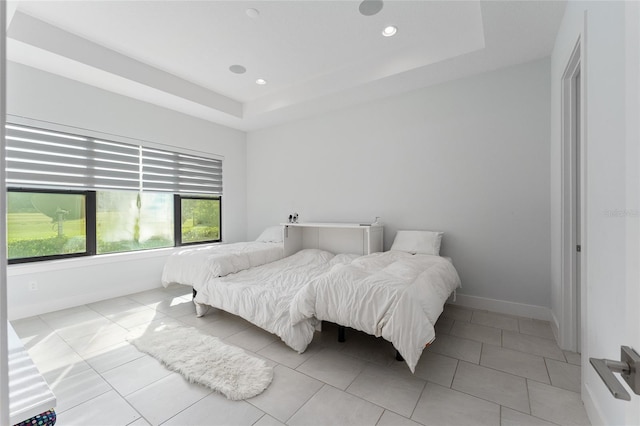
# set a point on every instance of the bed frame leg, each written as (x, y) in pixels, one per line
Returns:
(341, 338)
(398, 356)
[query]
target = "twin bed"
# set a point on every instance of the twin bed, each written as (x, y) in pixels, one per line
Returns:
(397, 295)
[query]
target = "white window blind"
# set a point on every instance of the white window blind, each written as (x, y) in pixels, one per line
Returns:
(39, 158)
(180, 173)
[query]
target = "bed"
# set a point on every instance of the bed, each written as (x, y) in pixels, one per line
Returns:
(394, 295)
(262, 295)
(198, 265)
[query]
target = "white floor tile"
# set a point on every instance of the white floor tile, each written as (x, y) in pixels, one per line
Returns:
(532, 344)
(457, 313)
(150, 297)
(226, 326)
(113, 356)
(66, 370)
(536, 328)
(175, 307)
(440, 406)
(114, 306)
(108, 409)
(283, 354)
(389, 418)
(492, 385)
(156, 324)
(165, 398)
(332, 367)
(456, 347)
(288, 391)
(479, 333)
(509, 417)
(328, 337)
(135, 375)
(136, 317)
(52, 353)
(564, 375)
(28, 328)
(71, 318)
(91, 326)
(556, 405)
(514, 362)
(331, 406)
(78, 388)
(391, 389)
(368, 348)
(252, 339)
(64, 313)
(216, 410)
(443, 325)
(267, 420)
(140, 422)
(108, 336)
(573, 358)
(491, 319)
(434, 368)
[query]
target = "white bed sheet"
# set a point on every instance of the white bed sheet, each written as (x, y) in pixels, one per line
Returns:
(262, 295)
(395, 295)
(197, 265)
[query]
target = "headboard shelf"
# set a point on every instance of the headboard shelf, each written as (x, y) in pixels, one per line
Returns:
(333, 237)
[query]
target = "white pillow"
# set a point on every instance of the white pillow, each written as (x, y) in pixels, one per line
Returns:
(418, 242)
(272, 234)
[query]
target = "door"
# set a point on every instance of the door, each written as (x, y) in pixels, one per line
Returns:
(612, 246)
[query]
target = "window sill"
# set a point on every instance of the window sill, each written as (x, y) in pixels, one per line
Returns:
(75, 262)
(102, 259)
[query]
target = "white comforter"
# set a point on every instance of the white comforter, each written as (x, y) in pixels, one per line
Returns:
(395, 295)
(198, 265)
(263, 295)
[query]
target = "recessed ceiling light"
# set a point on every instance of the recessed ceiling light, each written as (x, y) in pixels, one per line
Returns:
(370, 7)
(237, 69)
(389, 31)
(261, 81)
(252, 13)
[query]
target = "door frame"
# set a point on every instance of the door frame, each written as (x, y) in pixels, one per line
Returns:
(568, 327)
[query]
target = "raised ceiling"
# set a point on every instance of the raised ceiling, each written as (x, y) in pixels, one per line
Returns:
(315, 55)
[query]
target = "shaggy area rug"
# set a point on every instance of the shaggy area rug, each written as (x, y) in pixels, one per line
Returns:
(206, 360)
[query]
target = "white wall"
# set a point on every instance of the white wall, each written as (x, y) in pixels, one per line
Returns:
(469, 157)
(608, 188)
(46, 97)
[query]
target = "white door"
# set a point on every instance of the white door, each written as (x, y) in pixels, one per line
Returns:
(633, 193)
(612, 290)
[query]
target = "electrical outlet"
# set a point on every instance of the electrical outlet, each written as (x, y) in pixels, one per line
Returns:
(33, 285)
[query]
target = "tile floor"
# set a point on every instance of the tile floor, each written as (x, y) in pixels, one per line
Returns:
(483, 369)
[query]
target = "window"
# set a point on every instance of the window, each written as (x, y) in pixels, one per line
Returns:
(199, 219)
(128, 221)
(73, 195)
(47, 225)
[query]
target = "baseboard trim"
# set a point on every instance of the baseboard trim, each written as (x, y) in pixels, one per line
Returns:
(504, 307)
(591, 407)
(555, 327)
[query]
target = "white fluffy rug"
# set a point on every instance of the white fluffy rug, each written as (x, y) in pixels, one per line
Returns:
(206, 360)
